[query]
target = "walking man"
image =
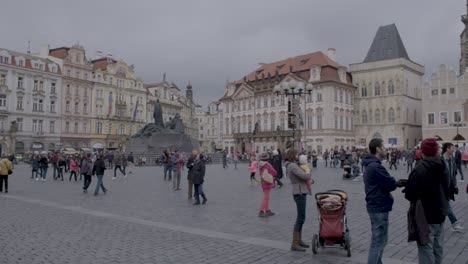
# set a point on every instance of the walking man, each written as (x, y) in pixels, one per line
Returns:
(451, 171)
(176, 168)
(393, 160)
(409, 161)
(224, 159)
(167, 160)
(427, 188)
(378, 187)
(98, 170)
(190, 161)
(458, 162)
(118, 163)
(86, 171)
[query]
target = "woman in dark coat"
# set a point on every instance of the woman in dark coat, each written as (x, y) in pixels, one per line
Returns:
(278, 166)
(198, 177)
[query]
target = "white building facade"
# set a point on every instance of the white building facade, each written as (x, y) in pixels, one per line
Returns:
(30, 92)
(388, 102)
(209, 128)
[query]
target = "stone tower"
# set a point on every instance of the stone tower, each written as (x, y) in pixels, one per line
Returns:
(189, 92)
(464, 42)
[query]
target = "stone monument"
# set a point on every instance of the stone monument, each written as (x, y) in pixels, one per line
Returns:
(156, 137)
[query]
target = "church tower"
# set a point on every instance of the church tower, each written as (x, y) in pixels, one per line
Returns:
(189, 92)
(464, 42)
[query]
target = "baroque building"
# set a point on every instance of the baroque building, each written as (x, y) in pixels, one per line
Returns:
(388, 102)
(325, 117)
(77, 87)
(119, 103)
(30, 94)
(464, 43)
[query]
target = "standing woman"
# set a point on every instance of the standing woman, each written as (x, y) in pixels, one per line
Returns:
(5, 169)
(300, 190)
(267, 175)
(198, 177)
(73, 168)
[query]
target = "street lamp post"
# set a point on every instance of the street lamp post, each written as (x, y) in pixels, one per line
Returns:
(293, 89)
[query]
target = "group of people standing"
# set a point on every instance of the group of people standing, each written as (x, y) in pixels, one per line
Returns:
(430, 188)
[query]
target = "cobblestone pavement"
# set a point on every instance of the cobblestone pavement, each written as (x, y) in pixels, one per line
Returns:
(142, 220)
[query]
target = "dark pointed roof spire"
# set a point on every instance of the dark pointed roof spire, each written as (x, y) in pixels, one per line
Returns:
(387, 45)
(189, 86)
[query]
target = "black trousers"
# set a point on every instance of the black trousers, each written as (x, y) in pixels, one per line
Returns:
(73, 173)
(4, 178)
(300, 200)
(87, 181)
(119, 167)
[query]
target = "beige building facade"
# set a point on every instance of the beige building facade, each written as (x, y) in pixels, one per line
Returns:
(388, 101)
(210, 128)
(445, 105)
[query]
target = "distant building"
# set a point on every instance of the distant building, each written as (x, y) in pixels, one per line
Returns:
(30, 95)
(210, 128)
(388, 102)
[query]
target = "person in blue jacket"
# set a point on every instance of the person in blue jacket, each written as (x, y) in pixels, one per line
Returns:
(378, 187)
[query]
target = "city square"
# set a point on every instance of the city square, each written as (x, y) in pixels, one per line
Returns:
(143, 220)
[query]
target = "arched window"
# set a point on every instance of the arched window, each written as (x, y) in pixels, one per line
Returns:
(391, 115)
(364, 117)
(364, 91)
(391, 88)
(377, 116)
(377, 89)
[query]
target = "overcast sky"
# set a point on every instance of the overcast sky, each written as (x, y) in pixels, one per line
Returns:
(210, 41)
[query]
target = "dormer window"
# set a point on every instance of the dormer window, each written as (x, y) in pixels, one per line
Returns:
(21, 63)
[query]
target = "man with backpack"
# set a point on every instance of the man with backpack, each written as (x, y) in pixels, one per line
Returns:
(86, 171)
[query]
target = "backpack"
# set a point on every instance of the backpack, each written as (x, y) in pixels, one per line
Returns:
(85, 167)
(267, 177)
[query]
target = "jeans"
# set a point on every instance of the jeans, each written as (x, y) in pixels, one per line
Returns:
(71, 175)
(54, 168)
(393, 164)
(60, 173)
(87, 181)
(224, 164)
(235, 164)
(265, 205)
(167, 170)
(4, 178)
(199, 191)
(451, 215)
(176, 179)
(432, 252)
(119, 167)
(190, 188)
(34, 173)
(44, 172)
(300, 200)
(99, 184)
(379, 223)
(459, 169)
(409, 167)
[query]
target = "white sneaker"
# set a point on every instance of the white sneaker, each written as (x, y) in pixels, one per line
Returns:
(461, 181)
(457, 228)
(37, 179)
(114, 178)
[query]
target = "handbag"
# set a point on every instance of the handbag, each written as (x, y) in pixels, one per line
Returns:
(267, 177)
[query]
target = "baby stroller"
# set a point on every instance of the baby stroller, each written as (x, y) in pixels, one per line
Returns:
(333, 230)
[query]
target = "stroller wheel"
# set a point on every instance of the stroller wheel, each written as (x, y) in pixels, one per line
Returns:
(315, 244)
(348, 244)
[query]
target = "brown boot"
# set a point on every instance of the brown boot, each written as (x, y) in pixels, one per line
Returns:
(295, 246)
(301, 243)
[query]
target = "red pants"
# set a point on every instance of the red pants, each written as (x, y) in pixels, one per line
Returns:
(265, 205)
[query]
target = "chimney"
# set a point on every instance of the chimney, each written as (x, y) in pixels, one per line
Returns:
(331, 53)
(44, 51)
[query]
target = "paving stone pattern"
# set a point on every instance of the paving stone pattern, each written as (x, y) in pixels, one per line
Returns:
(142, 220)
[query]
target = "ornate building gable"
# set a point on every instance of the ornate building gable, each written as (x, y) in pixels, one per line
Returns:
(243, 91)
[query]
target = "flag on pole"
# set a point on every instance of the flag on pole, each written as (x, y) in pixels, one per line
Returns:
(135, 110)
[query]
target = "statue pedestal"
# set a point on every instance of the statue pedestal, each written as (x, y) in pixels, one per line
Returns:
(157, 143)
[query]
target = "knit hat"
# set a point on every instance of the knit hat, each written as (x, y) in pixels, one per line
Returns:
(429, 147)
(302, 159)
(264, 156)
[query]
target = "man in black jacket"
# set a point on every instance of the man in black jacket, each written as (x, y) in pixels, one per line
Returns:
(428, 182)
(451, 171)
(458, 162)
(98, 170)
(189, 174)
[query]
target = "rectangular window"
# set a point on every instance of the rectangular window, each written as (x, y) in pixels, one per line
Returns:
(265, 102)
(3, 100)
(336, 122)
(52, 106)
(319, 122)
(431, 118)
(435, 92)
(85, 108)
(259, 102)
(309, 98)
(41, 85)
(76, 107)
(19, 124)
(319, 97)
(85, 127)
(52, 88)
(272, 104)
(444, 91)
(67, 106)
(341, 122)
(457, 116)
(309, 121)
(40, 126)
(452, 90)
(35, 106)
(67, 127)
(34, 128)
(75, 128)
(41, 105)
(20, 83)
(443, 118)
(2, 79)
(36, 85)
(52, 127)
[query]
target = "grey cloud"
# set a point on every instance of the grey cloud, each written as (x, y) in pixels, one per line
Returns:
(209, 41)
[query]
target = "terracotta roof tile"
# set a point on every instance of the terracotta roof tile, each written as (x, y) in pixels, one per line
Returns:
(60, 53)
